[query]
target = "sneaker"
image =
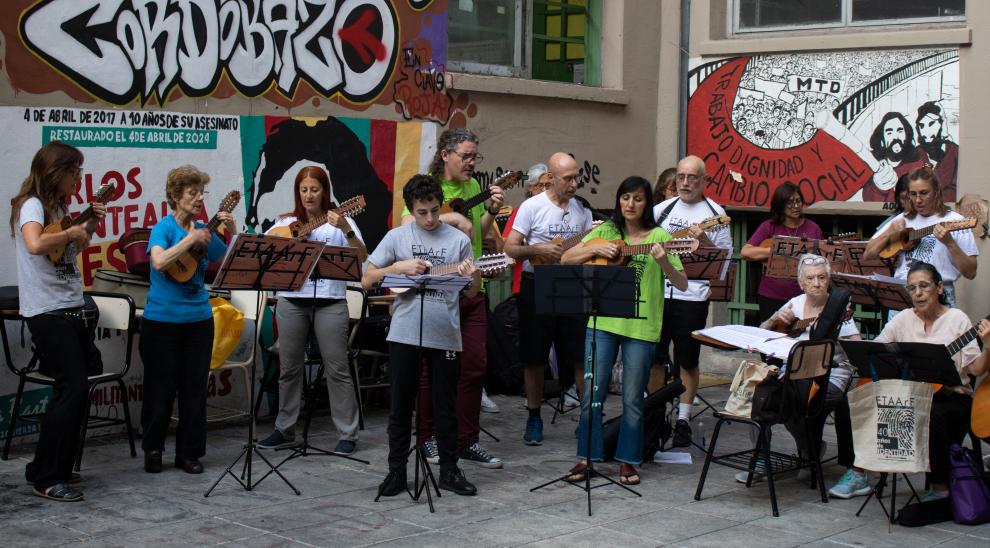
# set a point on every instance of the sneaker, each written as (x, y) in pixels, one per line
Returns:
(571, 398)
(534, 431)
(682, 434)
(487, 405)
(277, 440)
(345, 447)
(395, 483)
(475, 454)
(759, 474)
(932, 494)
(431, 451)
(851, 484)
(455, 481)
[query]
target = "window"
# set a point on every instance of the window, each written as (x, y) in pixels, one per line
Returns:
(540, 39)
(765, 15)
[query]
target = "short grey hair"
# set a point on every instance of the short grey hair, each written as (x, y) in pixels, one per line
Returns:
(810, 259)
(535, 172)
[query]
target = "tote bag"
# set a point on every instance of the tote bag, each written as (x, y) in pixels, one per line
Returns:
(228, 323)
(749, 375)
(890, 425)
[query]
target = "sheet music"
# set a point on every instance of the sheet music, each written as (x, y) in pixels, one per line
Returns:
(447, 281)
(745, 336)
(876, 278)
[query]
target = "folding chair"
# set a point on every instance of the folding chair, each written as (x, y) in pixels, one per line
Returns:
(249, 303)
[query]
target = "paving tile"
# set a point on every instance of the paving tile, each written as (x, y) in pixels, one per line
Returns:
(39, 533)
(745, 535)
(363, 529)
(595, 537)
(196, 532)
(875, 534)
(607, 505)
(515, 529)
(670, 525)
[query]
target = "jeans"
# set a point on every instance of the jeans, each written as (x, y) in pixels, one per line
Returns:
(637, 357)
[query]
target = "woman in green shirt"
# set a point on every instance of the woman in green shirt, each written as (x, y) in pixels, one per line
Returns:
(633, 223)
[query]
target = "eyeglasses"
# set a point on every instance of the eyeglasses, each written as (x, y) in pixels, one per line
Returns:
(811, 261)
(923, 286)
(923, 194)
(475, 157)
(564, 215)
(689, 177)
(795, 203)
(193, 193)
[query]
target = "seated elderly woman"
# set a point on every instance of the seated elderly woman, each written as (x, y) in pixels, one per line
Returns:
(814, 277)
(931, 320)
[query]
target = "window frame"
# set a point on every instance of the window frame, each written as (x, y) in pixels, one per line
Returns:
(846, 10)
(518, 68)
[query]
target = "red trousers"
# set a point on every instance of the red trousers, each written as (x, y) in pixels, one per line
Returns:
(470, 381)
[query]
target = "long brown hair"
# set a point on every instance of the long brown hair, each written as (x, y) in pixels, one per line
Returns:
(311, 172)
(926, 173)
(52, 162)
(448, 141)
(664, 180)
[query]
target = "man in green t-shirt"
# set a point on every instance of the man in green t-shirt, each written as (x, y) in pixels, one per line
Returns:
(454, 163)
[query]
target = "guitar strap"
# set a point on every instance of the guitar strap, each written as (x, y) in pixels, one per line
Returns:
(667, 210)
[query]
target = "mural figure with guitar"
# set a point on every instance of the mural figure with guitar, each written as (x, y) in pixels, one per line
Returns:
(930, 232)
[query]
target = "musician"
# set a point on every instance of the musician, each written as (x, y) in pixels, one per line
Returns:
(666, 187)
(51, 302)
(685, 311)
(953, 254)
(453, 164)
(544, 217)
(633, 223)
(538, 178)
(320, 308)
(409, 250)
(177, 328)
(931, 320)
(786, 219)
(902, 204)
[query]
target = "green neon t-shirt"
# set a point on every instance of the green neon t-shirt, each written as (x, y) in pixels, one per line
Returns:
(649, 278)
(468, 189)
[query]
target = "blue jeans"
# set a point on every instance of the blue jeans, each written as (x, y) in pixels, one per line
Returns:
(637, 356)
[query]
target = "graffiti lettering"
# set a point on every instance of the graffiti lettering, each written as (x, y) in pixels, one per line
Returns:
(119, 50)
(420, 91)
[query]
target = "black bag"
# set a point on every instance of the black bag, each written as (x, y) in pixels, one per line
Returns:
(773, 400)
(504, 374)
(656, 427)
(925, 513)
(829, 322)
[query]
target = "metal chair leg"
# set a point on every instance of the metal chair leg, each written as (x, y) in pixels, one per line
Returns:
(15, 414)
(127, 417)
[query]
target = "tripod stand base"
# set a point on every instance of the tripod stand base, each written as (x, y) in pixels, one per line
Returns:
(420, 466)
(307, 450)
(245, 479)
(586, 486)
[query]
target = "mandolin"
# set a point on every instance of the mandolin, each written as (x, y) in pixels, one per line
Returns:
(709, 224)
(680, 246)
(488, 265)
(103, 195)
(184, 267)
(796, 327)
(298, 229)
(565, 244)
(909, 237)
(508, 180)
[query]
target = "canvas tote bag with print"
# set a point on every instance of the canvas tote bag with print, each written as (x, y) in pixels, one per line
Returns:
(749, 375)
(890, 425)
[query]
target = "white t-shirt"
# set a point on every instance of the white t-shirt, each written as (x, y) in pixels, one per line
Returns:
(838, 376)
(908, 327)
(932, 251)
(539, 221)
(331, 235)
(43, 286)
(684, 215)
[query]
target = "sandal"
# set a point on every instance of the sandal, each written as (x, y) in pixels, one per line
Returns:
(579, 472)
(628, 475)
(61, 492)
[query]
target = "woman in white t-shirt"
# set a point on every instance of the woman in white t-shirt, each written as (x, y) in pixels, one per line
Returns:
(321, 307)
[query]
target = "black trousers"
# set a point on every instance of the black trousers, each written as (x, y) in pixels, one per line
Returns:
(62, 344)
(680, 318)
(404, 371)
(948, 424)
(176, 360)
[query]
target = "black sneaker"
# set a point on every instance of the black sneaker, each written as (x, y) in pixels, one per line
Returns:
(682, 434)
(455, 481)
(475, 454)
(394, 484)
(277, 440)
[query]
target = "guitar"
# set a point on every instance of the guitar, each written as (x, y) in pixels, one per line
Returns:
(711, 223)
(508, 180)
(183, 269)
(681, 246)
(565, 244)
(909, 237)
(103, 195)
(298, 229)
(979, 418)
(488, 265)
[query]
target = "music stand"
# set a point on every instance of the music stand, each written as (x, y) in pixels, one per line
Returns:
(262, 263)
(786, 250)
(422, 283)
(874, 290)
(855, 261)
(585, 290)
(921, 362)
(335, 263)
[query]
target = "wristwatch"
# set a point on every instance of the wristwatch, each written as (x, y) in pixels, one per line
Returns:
(349, 234)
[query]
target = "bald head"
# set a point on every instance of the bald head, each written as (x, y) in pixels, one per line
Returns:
(564, 169)
(690, 179)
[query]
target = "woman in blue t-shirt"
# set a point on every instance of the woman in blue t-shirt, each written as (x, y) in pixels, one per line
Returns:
(177, 329)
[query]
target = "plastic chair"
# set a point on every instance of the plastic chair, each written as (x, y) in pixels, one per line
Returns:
(808, 366)
(248, 302)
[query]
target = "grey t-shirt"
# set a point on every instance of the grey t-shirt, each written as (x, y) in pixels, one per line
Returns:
(43, 286)
(441, 312)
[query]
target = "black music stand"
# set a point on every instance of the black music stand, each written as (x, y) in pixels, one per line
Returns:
(335, 263)
(584, 290)
(920, 362)
(874, 289)
(421, 283)
(262, 263)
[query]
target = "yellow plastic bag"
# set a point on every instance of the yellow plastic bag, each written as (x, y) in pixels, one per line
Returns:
(228, 323)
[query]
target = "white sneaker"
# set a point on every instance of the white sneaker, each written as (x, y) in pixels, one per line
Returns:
(487, 405)
(570, 397)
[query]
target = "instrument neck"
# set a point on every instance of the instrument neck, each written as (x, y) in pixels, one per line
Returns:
(473, 201)
(964, 339)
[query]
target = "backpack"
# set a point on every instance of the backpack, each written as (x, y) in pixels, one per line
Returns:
(504, 373)
(656, 427)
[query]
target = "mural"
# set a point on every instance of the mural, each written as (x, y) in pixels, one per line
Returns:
(840, 125)
(125, 52)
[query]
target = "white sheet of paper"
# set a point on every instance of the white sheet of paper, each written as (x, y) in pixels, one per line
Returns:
(671, 457)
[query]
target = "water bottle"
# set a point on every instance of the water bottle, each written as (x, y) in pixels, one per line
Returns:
(699, 445)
